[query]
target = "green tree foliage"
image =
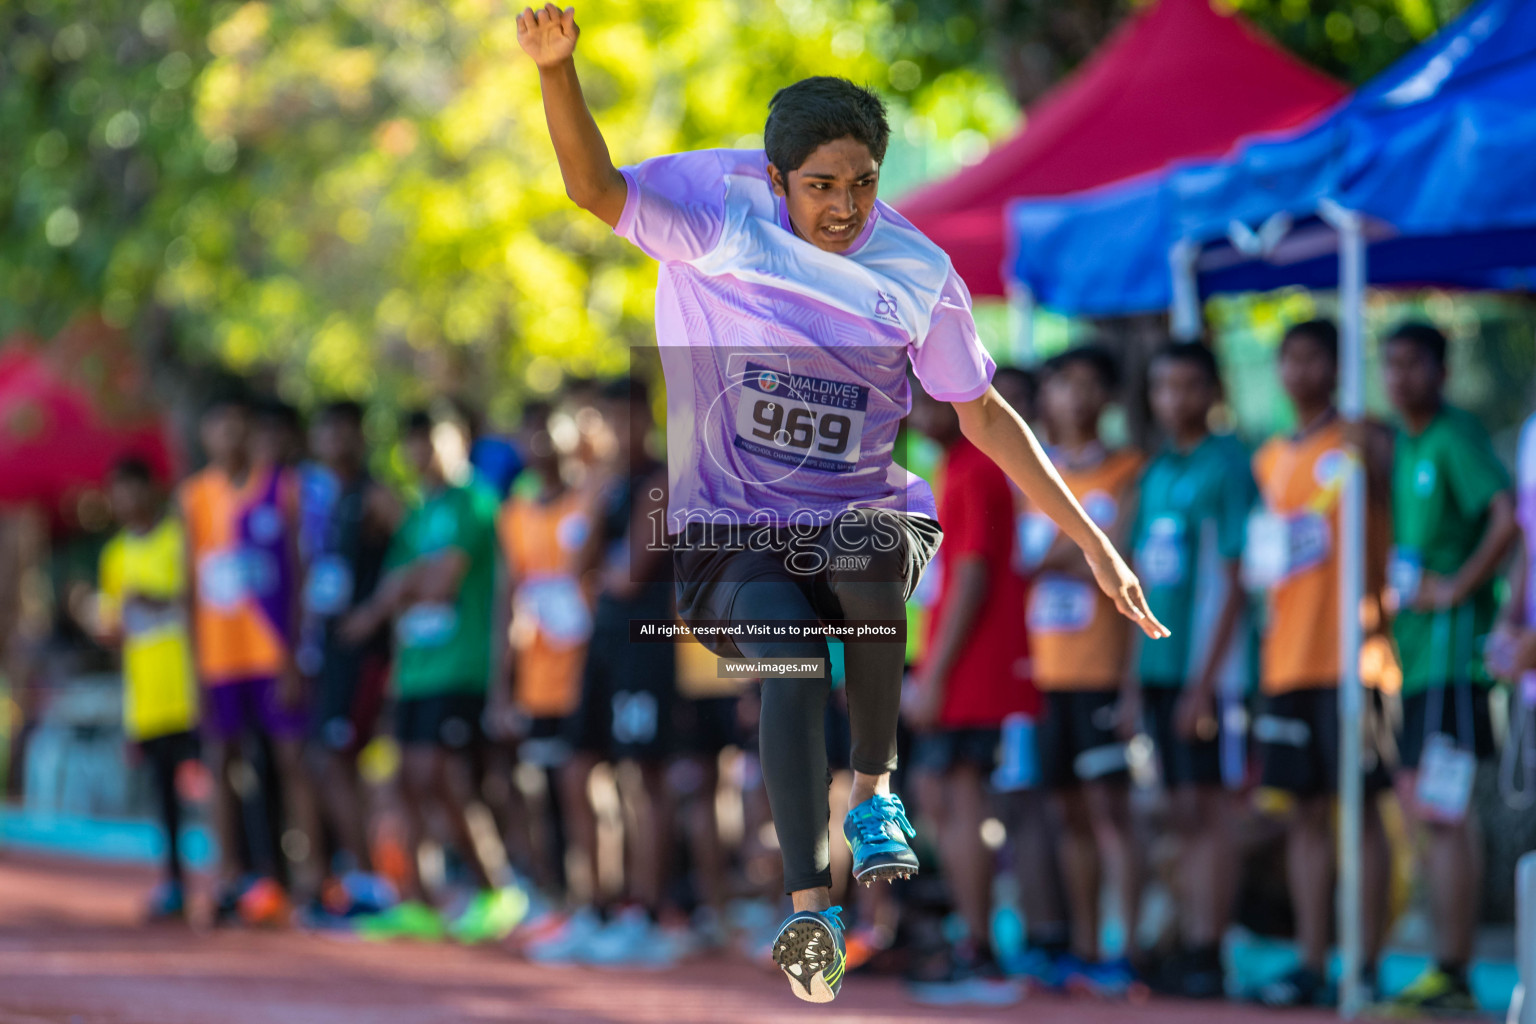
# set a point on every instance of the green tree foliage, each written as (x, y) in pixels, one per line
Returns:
(362, 193)
(359, 195)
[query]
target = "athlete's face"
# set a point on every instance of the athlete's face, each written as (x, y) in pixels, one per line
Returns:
(225, 434)
(831, 195)
(1182, 395)
(131, 499)
(416, 446)
(336, 441)
(1414, 377)
(1074, 399)
(1308, 371)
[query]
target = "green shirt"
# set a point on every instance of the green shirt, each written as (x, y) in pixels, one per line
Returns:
(1443, 481)
(1189, 525)
(446, 648)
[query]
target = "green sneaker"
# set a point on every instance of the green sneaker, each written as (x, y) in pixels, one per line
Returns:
(490, 916)
(408, 920)
(1436, 991)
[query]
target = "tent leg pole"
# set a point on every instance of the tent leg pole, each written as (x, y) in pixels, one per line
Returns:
(1352, 280)
(1184, 318)
(1021, 308)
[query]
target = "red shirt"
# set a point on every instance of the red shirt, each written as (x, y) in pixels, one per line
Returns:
(991, 678)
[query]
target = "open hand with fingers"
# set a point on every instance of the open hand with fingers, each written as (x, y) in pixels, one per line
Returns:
(1117, 580)
(548, 34)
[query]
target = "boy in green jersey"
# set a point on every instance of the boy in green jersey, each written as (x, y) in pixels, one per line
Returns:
(1453, 521)
(439, 590)
(1188, 537)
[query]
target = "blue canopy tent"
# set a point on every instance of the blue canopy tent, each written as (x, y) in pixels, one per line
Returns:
(1426, 175)
(1437, 154)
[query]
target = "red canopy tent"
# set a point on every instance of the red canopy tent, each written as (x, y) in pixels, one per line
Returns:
(1176, 80)
(69, 409)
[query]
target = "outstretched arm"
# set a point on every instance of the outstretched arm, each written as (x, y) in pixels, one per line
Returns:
(992, 425)
(592, 181)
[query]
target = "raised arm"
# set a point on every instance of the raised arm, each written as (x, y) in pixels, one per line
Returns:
(592, 181)
(992, 425)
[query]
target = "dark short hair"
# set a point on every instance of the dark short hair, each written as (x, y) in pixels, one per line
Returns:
(227, 397)
(536, 412)
(1194, 353)
(633, 390)
(1426, 337)
(818, 110)
(276, 411)
(343, 409)
(1026, 379)
(417, 421)
(1322, 332)
(1094, 356)
(132, 469)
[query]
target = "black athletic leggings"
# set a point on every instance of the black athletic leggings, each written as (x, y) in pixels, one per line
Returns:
(792, 731)
(164, 755)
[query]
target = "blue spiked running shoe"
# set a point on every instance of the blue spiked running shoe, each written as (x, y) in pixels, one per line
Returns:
(810, 951)
(874, 830)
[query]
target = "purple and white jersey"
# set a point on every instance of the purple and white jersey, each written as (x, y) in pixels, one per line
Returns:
(786, 365)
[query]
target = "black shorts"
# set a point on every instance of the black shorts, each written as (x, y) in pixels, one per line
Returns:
(712, 565)
(450, 721)
(936, 752)
(1184, 762)
(546, 744)
(1446, 706)
(172, 748)
(705, 726)
(1078, 741)
(1298, 739)
(347, 697)
(628, 690)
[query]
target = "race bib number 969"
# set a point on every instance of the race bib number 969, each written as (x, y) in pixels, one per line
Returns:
(799, 420)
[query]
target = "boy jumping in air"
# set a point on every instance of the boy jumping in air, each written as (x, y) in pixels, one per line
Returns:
(790, 305)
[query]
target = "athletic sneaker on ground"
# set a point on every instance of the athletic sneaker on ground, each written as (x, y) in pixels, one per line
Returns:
(874, 830)
(632, 939)
(1106, 979)
(1300, 987)
(568, 944)
(810, 951)
(490, 917)
(167, 902)
(409, 920)
(1436, 991)
(972, 978)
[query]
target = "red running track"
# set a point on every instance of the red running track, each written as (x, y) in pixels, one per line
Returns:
(72, 953)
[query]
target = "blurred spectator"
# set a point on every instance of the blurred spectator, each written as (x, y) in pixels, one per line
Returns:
(342, 571)
(1293, 557)
(1454, 520)
(542, 535)
(439, 591)
(242, 545)
(1188, 540)
(1080, 645)
(973, 678)
(143, 609)
(628, 691)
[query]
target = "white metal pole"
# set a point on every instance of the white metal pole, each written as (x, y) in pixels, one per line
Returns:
(1352, 271)
(1021, 311)
(1184, 317)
